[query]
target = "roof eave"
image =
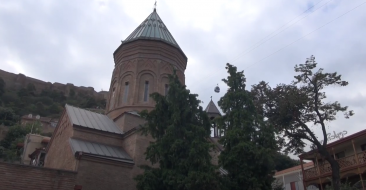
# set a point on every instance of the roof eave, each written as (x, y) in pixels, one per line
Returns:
(149, 39)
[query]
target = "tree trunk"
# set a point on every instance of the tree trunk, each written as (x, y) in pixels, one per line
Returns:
(336, 178)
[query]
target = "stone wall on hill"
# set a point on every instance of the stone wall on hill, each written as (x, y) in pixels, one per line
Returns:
(18, 81)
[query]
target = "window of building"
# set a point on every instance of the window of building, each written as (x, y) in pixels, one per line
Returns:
(166, 89)
(111, 103)
(146, 91)
(340, 155)
(125, 95)
(294, 185)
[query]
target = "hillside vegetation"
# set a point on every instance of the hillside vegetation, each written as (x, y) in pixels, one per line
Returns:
(47, 103)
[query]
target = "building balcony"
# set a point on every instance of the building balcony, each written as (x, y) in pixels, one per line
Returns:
(323, 169)
(349, 152)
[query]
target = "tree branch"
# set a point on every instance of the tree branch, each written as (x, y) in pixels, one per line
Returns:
(321, 119)
(303, 125)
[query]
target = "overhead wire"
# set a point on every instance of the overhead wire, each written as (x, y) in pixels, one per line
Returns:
(345, 13)
(274, 34)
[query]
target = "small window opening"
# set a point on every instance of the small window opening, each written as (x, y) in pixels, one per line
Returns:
(125, 95)
(146, 91)
(112, 98)
(166, 89)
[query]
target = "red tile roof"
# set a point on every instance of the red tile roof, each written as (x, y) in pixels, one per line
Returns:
(296, 168)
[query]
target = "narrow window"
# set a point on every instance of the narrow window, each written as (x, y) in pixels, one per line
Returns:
(146, 91)
(166, 89)
(112, 99)
(125, 96)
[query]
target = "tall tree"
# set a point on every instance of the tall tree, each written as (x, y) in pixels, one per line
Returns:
(181, 130)
(8, 117)
(293, 109)
(15, 135)
(249, 143)
(283, 161)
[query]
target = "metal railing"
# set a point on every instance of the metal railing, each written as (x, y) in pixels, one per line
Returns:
(344, 163)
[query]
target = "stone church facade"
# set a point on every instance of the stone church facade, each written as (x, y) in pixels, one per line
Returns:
(107, 150)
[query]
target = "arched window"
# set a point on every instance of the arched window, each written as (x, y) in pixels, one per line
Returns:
(125, 94)
(166, 89)
(111, 103)
(146, 91)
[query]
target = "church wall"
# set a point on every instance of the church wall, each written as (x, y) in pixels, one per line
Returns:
(214, 153)
(59, 152)
(99, 137)
(129, 145)
(142, 142)
(96, 176)
(137, 62)
(152, 49)
(127, 121)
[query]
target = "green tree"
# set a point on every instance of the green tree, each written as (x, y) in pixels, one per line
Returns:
(72, 93)
(282, 161)
(8, 117)
(181, 130)
(54, 109)
(293, 109)
(249, 143)
(31, 89)
(15, 135)
(90, 103)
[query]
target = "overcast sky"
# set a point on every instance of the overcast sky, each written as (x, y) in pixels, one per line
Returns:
(72, 41)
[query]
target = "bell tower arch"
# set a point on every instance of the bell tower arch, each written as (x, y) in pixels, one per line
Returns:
(142, 64)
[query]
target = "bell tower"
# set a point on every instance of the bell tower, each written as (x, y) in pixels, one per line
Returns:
(142, 64)
(212, 113)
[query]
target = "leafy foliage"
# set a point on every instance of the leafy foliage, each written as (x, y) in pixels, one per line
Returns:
(294, 108)
(181, 149)
(277, 185)
(16, 134)
(249, 143)
(8, 117)
(46, 103)
(343, 186)
(282, 161)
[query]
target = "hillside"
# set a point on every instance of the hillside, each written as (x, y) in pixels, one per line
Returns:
(25, 95)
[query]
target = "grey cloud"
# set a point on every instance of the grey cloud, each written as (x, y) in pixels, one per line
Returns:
(73, 41)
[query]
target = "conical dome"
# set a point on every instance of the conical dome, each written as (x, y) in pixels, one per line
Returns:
(152, 28)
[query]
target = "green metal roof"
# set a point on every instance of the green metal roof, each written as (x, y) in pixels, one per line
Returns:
(152, 28)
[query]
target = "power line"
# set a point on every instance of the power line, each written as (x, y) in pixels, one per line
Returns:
(307, 34)
(274, 34)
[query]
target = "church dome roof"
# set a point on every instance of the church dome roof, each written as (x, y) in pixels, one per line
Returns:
(212, 109)
(152, 28)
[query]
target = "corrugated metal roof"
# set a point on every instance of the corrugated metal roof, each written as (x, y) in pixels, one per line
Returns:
(85, 118)
(152, 28)
(211, 108)
(100, 150)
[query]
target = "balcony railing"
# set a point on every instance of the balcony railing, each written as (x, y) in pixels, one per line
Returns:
(344, 163)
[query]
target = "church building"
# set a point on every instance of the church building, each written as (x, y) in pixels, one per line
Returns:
(107, 150)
